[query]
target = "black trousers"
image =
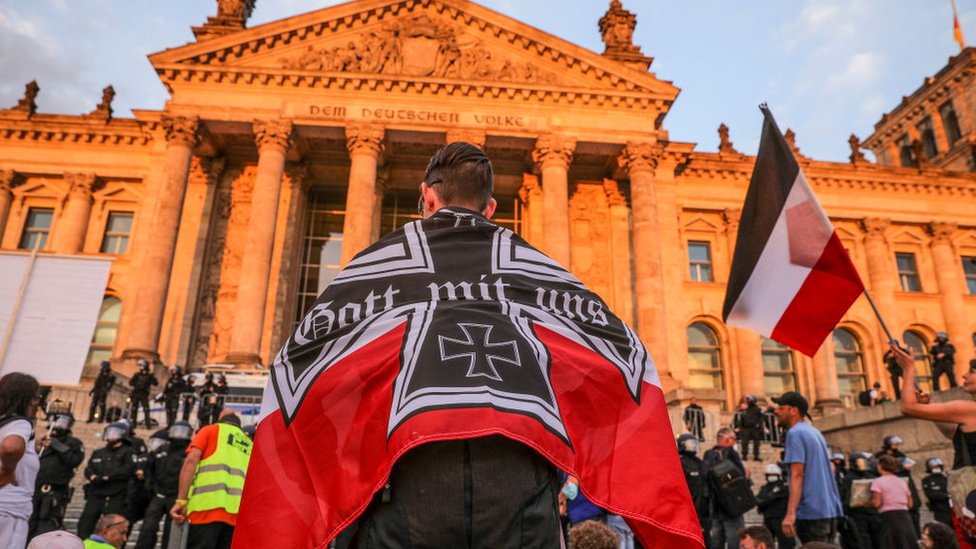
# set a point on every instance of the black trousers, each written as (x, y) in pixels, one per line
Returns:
(188, 407)
(48, 513)
(747, 434)
(938, 370)
(488, 492)
(213, 535)
(896, 383)
(140, 400)
(95, 507)
(816, 530)
(775, 526)
(172, 407)
(97, 403)
(157, 511)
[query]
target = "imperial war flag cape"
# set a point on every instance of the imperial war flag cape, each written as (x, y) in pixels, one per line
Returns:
(451, 328)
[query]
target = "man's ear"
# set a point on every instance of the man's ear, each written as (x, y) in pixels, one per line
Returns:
(490, 208)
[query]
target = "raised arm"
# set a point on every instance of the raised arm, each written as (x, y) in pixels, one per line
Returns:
(956, 411)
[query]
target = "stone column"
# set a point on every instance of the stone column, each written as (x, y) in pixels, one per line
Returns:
(640, 160)
(748, 344)
(382, 186)
(6, 197)
(272, 138)
(553, 154)
(882, 283)
(181, 136)
(826, 382)
(72, 226)
(623, 303)
(365, 144)
(531, 195)
(947, 267)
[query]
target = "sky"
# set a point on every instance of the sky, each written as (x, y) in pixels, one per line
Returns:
(827, 68)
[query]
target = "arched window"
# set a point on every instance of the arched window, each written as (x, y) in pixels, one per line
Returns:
(704, 358)
(919, 347)
(105, 331)
(849, 360)
(779, 373)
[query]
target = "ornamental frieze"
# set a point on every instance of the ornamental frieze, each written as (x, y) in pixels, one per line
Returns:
(418, 46)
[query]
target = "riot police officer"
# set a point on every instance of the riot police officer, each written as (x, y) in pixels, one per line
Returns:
(866, 518)
(189, 396)
(841, 476)
(172, 393)
(137, 491)
(222, 391)
(772, 501)
(943, 360)
(141, 383)
(108, 472)
(60, 455)
(99, 392)
(163, 471)
(692, 465)
(936, 488)
(208, 400)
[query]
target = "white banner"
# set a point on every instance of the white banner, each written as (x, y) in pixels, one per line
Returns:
(48, 309)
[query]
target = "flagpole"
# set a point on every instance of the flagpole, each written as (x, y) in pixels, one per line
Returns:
(878, 314)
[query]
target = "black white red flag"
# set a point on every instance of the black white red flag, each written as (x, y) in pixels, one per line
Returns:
(451, 328)
(791, 278)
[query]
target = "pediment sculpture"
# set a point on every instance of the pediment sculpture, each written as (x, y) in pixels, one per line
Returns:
(418, 46)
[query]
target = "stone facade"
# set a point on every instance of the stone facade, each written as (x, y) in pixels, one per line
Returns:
(288, 147)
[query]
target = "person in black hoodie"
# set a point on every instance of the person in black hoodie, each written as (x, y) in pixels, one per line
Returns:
(60, 455)
(142, 383)
(772, 501)
(936, 488)
(163, 472)
(108, 472)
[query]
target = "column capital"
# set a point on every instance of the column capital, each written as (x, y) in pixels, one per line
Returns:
(475, 137)
(875, 227)
(555, 149)
(275, 134)
(81, 185)
(942, 231)
(637, 157)
(7, 178)
(612, 189)
(365, 138)
(732, 216)
(181, 130)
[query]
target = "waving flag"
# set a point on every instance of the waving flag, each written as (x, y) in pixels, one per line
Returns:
(453, 328)
(956, 28)
(791, 278)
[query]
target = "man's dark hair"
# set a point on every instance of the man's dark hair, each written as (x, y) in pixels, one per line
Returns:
(759, 533)
(16, 392)
(941, 535)
(462, 175)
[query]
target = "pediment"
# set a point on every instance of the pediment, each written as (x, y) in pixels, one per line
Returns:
(411, 40)
(700, 224)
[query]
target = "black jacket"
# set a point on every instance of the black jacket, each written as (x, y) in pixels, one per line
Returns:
(164, 467)
(60, 459)
(142, 383)
(174, 387)
(948, 350)
(936, 488)
(109, 470)
(103, 383)
(773, 498)
(692, 467)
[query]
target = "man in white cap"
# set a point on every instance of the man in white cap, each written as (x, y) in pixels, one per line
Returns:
(58, 539)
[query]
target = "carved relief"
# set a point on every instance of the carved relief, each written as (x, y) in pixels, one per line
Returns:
(856, 157)
(273, 133)
(104, 108)
(612, 190)
(589, 221)
(790, 137)
(365, 138)
(556, 149)
(617, 30)
(942, 232)
(182, 130)
(418, 46)
(875, 227)
(731, 216)
(724, 145)
(640, 156)
(28, 103)
(7, 179)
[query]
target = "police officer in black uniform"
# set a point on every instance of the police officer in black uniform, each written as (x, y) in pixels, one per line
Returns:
(692, 465)
(141, 383)
(894, 370)
(189, 396)
(172, 393)
(137, 492)
(943, 360)
(208, 400)
(936, 488)
(867, 519)
(99, 392)
(772, 501)
(751, 428)
(60, 455)
(108, 472)
(163, 472)
(841, 477)
(222, 391)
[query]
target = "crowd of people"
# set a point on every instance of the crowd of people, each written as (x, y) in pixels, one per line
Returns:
(174, 475)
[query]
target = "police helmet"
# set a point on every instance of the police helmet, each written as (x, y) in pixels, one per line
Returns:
(837, 456)
(688, 444)
(208, 376)
(156, 440)
(942, 335)
(891, 441)
(63, 422)
(143, 364)
(750, 399)
(773, 469)
(222, 378)
(115, 432)
(932, 463)
(176, 370)
(861, 461)
(106, 365)
(179, 430)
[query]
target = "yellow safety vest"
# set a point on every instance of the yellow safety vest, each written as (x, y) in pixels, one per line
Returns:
(92, 544)
(219, 481)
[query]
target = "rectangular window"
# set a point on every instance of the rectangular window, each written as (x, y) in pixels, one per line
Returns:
(969, 267)
(700, 261)
(117, 229)
(908, 273)
(927, 135)
(36, 228)
(950, 122)
(905, 155)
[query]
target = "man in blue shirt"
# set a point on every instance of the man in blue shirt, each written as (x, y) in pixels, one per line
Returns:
(814, 504)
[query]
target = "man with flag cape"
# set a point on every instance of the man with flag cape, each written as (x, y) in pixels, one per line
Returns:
(433, 390)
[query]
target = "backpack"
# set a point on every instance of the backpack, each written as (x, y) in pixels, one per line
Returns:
(730, 488)
(864, 398)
